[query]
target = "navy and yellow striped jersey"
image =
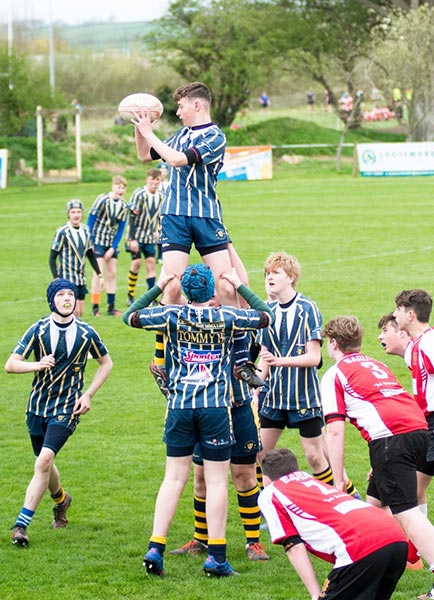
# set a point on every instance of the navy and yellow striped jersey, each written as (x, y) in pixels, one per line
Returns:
(108, 214)
(72, 244)
(55, 391)
(144, 219)
(293, 388)
(191, 190)
(198, 352)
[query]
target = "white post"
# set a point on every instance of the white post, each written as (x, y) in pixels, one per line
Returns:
(78, 144)
(39, 142)
(51, 50)
(10, 44)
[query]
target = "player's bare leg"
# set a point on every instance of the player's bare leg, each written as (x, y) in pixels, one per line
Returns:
(95, 287)
(111, 264)
(314, 452)
(219, 263)
(269, 439)
(175, 478)
(216, 479)
(45, 473)
(420, 531)
(174, 261)
(423, 482)
(111, 267)
(150, 264)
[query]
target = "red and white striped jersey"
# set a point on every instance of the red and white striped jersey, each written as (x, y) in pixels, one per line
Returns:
(366, 392)
(420, 359)
(333, 525)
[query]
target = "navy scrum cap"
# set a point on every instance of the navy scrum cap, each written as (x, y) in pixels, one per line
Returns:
(74, 203)
(57, 285)
(198, 283)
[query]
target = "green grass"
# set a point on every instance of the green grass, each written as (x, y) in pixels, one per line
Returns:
(295, 127)
(359, 241)
(106, 149)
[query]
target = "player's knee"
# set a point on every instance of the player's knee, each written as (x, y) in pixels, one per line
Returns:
(244, 481)
(316, 461)
(43, 463)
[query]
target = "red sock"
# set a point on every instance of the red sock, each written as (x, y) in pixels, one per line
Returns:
(413, 555)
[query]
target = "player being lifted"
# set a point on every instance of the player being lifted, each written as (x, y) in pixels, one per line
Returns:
(191, 212)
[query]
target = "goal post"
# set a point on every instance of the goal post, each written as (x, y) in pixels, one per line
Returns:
(57, 175)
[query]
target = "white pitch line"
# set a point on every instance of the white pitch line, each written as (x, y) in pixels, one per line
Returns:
(378, 255)
(363, 257)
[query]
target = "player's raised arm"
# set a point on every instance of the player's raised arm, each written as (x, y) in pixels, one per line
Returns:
(150, 147)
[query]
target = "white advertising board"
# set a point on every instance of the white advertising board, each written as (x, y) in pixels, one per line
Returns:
(3, 168)
(396, 159)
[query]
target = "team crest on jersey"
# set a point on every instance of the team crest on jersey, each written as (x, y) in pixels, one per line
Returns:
(199, 375)
(220, 234)
(200, 356)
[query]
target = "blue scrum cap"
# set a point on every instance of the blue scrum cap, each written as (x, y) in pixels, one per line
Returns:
(198, 283)
(74, 203)
(57, 285)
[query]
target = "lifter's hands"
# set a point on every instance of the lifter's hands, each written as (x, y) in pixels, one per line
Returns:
(164, 278)
(232, 277)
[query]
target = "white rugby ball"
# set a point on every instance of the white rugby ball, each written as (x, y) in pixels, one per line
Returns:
(140, 102)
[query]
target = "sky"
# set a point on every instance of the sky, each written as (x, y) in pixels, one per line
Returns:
(79, 11)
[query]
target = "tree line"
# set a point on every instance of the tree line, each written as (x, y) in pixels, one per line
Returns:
(239, 46)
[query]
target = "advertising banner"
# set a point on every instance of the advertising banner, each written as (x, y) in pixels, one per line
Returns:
(396, 159)
(247, 162)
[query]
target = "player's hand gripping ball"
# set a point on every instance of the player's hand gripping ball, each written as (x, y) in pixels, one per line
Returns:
(140, 102)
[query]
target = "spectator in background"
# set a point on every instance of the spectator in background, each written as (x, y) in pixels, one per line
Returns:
(310, 97)
(328, 100)
(346, 102)
(77, 108)
(264, 100)
(76, 105)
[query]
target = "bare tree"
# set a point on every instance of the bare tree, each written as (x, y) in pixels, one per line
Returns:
(408, 57)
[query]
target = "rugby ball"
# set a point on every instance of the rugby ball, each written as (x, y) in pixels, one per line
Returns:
(140, 102)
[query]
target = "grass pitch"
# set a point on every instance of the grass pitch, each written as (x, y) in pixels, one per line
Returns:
(360, 241)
